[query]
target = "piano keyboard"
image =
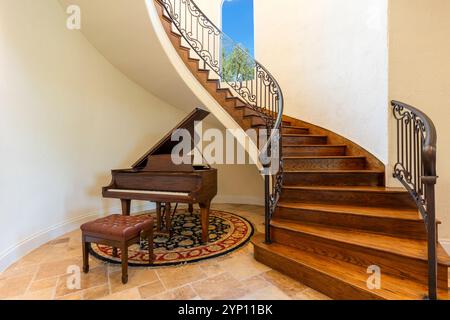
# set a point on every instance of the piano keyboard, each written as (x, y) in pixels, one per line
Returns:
(183, 194)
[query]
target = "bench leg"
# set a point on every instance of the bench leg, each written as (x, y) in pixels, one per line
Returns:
(191, 208)
(85, 255)
(114, 252)
(124, 250)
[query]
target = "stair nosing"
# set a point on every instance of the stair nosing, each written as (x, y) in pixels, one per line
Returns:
(353, 211)
(356, 171)
(323, 157)
(374, 189)
(304, 135)
(295, 127)
(314, 146)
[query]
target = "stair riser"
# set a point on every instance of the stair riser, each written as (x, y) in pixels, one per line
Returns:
(387, 226)
(250, 112)
(396, 265)
(305, 140)
(354, 198)
(314, 151)
(330, 286)
(325, 164)
(257, 121)
(240, 104)
(333, 179)
(237, 114)
(295, 131)
(226, 92)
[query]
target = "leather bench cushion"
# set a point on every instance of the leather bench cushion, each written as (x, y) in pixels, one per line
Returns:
(117, 226)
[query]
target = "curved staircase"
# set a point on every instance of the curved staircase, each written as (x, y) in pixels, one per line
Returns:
(334, 217)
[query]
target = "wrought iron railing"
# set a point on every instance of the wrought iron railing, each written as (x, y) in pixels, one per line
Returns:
(246, 78)
(416, 170)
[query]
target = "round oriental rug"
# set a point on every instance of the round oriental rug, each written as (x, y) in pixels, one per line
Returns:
(227, 232)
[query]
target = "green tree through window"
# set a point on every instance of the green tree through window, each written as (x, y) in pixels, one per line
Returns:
(237, 65)
(237, 44)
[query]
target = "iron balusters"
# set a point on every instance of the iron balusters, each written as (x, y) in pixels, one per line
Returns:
(416, 170)
(245, 77)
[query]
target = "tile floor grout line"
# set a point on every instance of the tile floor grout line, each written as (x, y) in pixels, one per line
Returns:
(108, 273)
(160, 280)
(54, 291)
(199, 280)
(56, 287)
(31, 282)
(196, 293)
(213, 265)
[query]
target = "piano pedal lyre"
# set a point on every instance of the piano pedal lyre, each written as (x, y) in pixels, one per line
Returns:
(164, 216)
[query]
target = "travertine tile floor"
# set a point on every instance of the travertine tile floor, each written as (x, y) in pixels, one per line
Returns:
(42, 274)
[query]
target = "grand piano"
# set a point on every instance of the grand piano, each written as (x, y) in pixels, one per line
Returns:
(154, 177)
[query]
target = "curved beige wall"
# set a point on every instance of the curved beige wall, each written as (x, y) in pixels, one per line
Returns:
(67, 118)
(122, 32)
(419, 74)
(330, 58)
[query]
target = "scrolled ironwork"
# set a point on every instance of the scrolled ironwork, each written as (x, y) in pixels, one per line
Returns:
(261, 91)
(257, 87)
(415, 168)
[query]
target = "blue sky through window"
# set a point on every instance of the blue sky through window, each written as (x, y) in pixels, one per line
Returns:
(238, 22)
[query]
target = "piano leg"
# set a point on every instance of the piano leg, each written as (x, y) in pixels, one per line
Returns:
(167, 218)
(191, 208)
(158, 217)
(204, 213)
(126, 206)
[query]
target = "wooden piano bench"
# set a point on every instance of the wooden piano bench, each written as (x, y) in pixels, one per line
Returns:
(117, 231)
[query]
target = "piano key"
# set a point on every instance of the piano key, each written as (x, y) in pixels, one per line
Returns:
(182, 194)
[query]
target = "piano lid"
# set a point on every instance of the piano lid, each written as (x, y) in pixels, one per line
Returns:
(166, 145)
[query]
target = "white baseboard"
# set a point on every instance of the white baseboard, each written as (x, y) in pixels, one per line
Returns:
(446, 244)
(257, 201)
(22, 248)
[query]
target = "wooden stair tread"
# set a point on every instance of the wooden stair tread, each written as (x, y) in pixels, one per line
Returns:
(194, 59)
(404, 247)
(334, 171)
(295, 127)
(403, 214)
(313, 145)
(303, 135)
(185, 48)
(393, 288)
(323, 157)
(348, 188)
